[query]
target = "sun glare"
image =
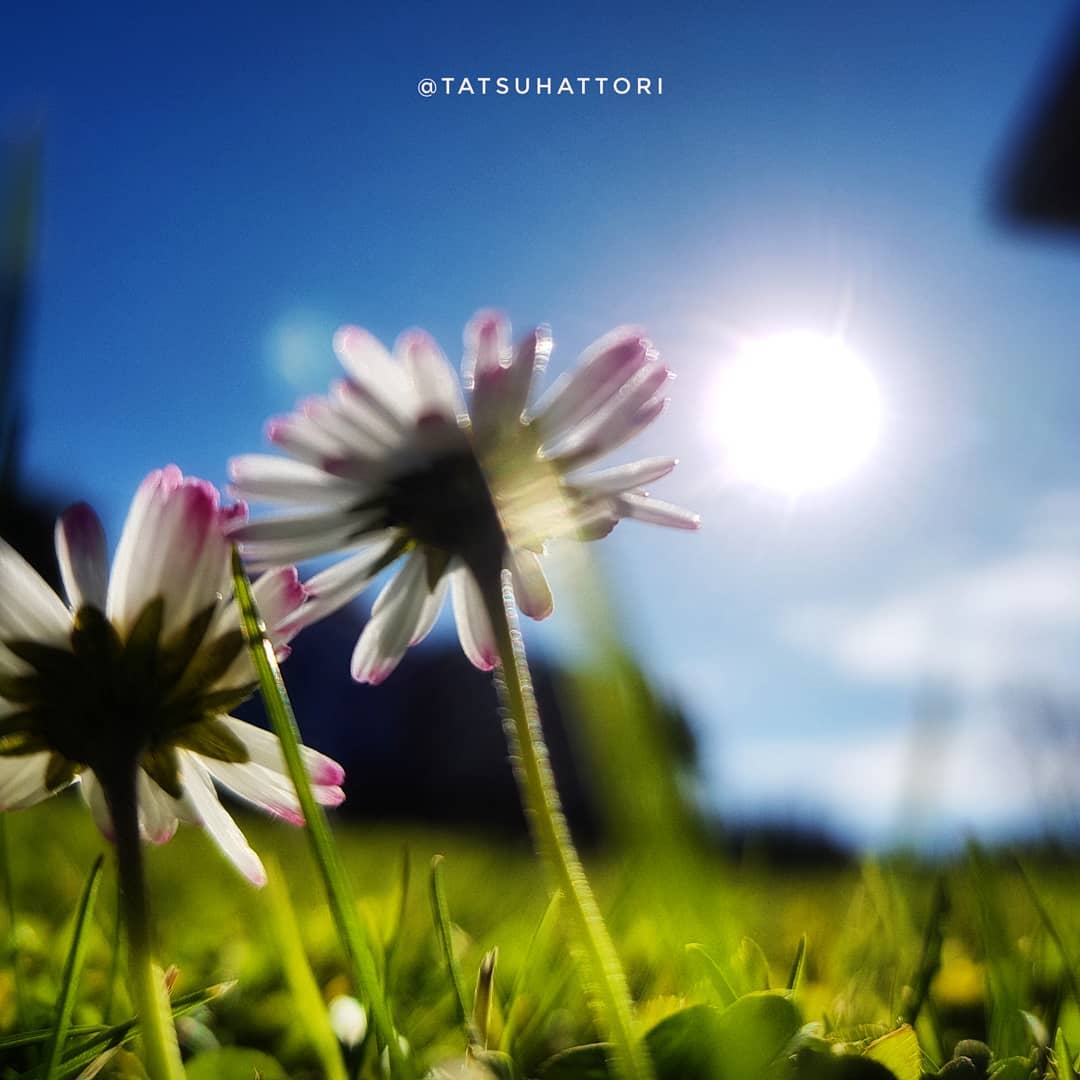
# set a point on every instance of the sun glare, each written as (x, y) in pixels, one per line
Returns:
(795, 412)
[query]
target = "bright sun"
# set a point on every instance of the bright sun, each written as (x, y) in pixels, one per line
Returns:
(796, 412)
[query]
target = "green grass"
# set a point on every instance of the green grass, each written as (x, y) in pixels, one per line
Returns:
(1006, 973)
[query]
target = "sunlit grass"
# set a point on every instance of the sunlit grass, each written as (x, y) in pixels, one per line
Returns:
(865, 928)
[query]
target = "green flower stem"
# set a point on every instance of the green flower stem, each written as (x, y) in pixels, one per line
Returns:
(327, 858)
(147, 986)
(605, 981)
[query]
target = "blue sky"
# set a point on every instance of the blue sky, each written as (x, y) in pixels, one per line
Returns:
(222, 190)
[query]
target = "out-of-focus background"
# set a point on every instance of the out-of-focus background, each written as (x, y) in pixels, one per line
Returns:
(875, 638)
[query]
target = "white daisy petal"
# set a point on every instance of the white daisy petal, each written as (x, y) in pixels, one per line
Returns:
(353, 432)
(530, 360)
(430, 611)
(29, 609)
(487, 346)
(334, 587)
(22, 781)
(157, 811)
(200, 794)
(301, 437)
(657, 512)
(370, 412)
(265, 478)
(94, 797)
(297, 526)
(395, 617)
(173, 538)
(365, 358)
(137, 554)
(267, 554)
(607, 433)
(625, 477)
(264, 749)
(603, 369)
(471, 617)
(501, 391)
(433, 378)
(84, 562)
(531, 589)
(279, 595)
(268, 790)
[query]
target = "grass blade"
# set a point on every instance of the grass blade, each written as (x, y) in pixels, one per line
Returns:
(305, 990)
(440, 912)
(930, 957)
(88, 1051)
(9, 903)
(72, 970)
(350, 929)
(1063, 1058)
(797, 965)
(1052, 931)
(484, 997)
(725, 991)
(393, 936)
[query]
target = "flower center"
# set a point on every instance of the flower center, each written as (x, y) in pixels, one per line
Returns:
(447, 505)
(109, 700)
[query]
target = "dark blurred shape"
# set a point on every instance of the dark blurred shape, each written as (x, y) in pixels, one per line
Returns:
(792, 844)
(428, 745)
(1041, 178)
(18, 191)
(26, 521)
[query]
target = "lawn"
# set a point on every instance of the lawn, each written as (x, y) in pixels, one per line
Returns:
(711, 948)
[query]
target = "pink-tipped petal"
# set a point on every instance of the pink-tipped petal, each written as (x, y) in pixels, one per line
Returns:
(157, 812)
(264, 749)
(365, 359)
(471, 617)
(94, 796)
(433, 380)
(487, 345)
(623, 478)
(332, 588)
(264, 478)
(531, 589)
(82, 555)
(604, 368)
(395, 616)
(199, 793)
(657, 512)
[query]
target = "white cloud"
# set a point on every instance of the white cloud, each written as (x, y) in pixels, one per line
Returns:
(1014, 619)
(978, 776)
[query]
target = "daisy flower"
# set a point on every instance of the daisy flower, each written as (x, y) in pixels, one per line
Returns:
(142, 664)
(394, 464)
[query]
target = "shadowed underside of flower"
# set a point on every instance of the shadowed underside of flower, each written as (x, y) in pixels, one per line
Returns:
(143, 665)
(393, 464)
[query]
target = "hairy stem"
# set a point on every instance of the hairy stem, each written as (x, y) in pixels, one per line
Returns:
(147, 986)
(606, 986)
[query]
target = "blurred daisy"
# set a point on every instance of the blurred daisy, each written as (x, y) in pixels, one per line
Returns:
(397, 466)
(143, 665)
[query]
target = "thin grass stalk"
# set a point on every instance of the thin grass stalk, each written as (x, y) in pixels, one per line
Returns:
(9, 903)
(351, 934)
(69, 981)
